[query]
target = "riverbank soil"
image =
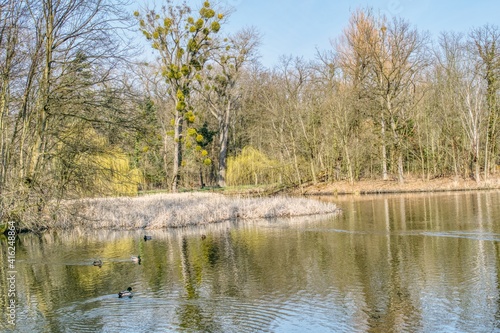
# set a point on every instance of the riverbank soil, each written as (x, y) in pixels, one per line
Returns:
(393, 186)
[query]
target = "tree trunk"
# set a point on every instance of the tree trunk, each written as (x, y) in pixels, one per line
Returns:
(177, 151)
(223, 144)
(400, 168)
(40, 143)
(384, 151)
(349, 165)
(202, 183)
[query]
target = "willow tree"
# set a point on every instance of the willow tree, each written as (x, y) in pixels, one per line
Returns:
(184, 42)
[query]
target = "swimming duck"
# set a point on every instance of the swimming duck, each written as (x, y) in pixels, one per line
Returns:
(97, 263)
(146, 238)
(125, 293)
(136, 259)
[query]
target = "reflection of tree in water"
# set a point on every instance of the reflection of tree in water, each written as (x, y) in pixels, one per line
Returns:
(212, 253)
(402, 308)
(190, 312)
(227, 256)
(497, 252)
(376, 261)
(191, 317)
(187, 271)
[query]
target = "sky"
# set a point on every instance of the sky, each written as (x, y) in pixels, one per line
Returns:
(301, 27)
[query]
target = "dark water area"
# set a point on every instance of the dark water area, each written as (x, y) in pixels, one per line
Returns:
(389, 263)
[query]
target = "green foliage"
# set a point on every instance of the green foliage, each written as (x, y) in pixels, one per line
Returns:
(189, 116)
(200, 139)
(180, 95)
(180, 106)
(169, 37)
(207, 13)
(215, 26)
(185, 70)
(192, 45)
(199, 24)
(207, 134)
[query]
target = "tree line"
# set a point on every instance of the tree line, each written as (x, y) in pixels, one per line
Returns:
(82, 113)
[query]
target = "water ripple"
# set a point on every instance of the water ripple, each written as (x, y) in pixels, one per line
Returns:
(482, 236)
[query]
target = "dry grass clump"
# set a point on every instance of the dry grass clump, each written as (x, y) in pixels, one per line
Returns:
(179, 210)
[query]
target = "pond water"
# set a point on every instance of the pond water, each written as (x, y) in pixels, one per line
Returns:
(389, 263)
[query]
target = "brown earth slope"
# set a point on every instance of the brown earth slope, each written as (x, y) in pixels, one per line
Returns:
(393, 186)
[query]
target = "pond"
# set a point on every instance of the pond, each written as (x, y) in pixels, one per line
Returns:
(389, 263)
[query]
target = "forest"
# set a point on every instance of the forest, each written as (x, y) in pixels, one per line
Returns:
(84, 113)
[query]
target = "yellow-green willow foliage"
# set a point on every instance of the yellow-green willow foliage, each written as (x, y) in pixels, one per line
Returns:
(115, 176)
(252, 167)
(98, 168)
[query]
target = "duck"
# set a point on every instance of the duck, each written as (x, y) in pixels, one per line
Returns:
(97, 263)
(146, 238)
(136, 259)
(125, 293)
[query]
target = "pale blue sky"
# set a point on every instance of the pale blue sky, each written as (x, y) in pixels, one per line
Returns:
(299, 27)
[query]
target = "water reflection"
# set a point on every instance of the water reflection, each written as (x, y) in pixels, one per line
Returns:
(397, 263)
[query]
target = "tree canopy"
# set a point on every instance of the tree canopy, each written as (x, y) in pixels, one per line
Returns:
(83, 114)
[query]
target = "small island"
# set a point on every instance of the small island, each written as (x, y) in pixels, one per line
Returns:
(169, 210)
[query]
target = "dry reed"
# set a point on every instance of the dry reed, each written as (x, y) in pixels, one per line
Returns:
(185, 209)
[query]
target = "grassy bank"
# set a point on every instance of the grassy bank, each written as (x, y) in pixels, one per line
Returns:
(411, 185)
(184, 209)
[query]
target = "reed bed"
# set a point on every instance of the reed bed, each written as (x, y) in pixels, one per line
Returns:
(185, 209)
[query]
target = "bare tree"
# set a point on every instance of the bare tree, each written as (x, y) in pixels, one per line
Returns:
(485, 46)
(357, 61)
(66, 54)
(463, 94)
(384, 60)
(399, 60)
(223, 90)
(10, 21)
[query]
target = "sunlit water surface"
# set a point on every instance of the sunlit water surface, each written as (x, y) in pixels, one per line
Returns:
(399, 263)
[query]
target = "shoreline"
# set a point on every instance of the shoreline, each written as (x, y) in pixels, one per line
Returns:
(366, 187)
(168, 210)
